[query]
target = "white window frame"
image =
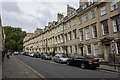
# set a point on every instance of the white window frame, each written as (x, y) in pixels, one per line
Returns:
(104, 27)
(53, 40)
(80, 20)
(61, 27)
(93, 14)
(62, 38)
(58, 28)
(87, 33)
(74, 33)
(70, 35)
(116, 24)
(75, 49)
(66, 37)
(59, 49)
(93, 31)
(114, 5)
(65, 25)
(103, 10)
(87, 50)
(74, 21)
(86, 17)
(96, 50)
(70, 49)
(62, 49)
(69, 23)
(81, 35)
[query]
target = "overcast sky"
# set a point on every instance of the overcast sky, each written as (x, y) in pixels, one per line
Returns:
(33, 14)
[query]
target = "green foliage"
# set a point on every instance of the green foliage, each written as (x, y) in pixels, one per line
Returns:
(14, 38)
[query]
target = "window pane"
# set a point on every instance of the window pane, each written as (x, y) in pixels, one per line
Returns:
(92, 14)
(81, 35)
(94, 31)
(89, 49)
(105, 27)
(96, 50)
(103, 10)
(80, 20)
(87, 33)
(113, 5)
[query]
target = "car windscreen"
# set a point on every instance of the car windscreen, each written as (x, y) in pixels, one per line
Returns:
(62, 56)
(46, 55)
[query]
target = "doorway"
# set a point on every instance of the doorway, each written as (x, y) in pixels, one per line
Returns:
(66, 52)
(108, 51)
(81, 48)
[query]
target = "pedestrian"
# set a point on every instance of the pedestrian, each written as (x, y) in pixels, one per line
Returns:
(11, 54)
(3, 55)
(8, 55)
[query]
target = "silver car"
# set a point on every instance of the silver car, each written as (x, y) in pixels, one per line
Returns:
(60, 58)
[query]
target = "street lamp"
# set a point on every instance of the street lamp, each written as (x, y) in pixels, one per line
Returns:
(113, 49)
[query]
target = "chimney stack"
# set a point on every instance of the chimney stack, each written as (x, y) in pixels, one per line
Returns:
(70, 9)
(81, 2)
(49, 23)
(60, 16)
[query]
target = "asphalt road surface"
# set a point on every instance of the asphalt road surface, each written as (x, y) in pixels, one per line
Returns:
(50, 69)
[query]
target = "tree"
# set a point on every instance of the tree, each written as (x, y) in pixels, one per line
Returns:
(14, 38)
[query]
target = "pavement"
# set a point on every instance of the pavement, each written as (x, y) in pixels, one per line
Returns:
(13, 68)
(110, 68)
(0, 65)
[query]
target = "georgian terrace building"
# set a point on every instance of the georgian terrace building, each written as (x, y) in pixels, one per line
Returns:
(2, 36)
(93, 30)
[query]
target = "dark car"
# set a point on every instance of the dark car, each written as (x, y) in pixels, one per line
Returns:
(83, 62)
(37, 55)
(45, 56)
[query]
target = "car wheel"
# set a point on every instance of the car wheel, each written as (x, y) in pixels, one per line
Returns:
(83, 66)
(68, 63)
(60, 62)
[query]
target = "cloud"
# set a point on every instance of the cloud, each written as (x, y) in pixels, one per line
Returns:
(31, 15)
(11, 7)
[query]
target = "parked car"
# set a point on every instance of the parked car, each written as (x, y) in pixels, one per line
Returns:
(100, 59)
(16, 53)
(26, 53)
(37, 55)
(21, 53)
(60, 58)
(31, 54)
(45, 56)
(83, 62)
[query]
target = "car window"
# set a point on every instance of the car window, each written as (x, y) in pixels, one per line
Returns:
(79, 57)
(63, 56)
(87, 57)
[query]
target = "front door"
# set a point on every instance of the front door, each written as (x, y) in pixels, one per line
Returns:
(108, 50)
(66, 52)
(81, 51)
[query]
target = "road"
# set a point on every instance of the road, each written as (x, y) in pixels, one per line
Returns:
(50, 69)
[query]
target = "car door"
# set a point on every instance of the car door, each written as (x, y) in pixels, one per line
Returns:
(74, 61)
(79, 60)
(55, 58)
(58, 59)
